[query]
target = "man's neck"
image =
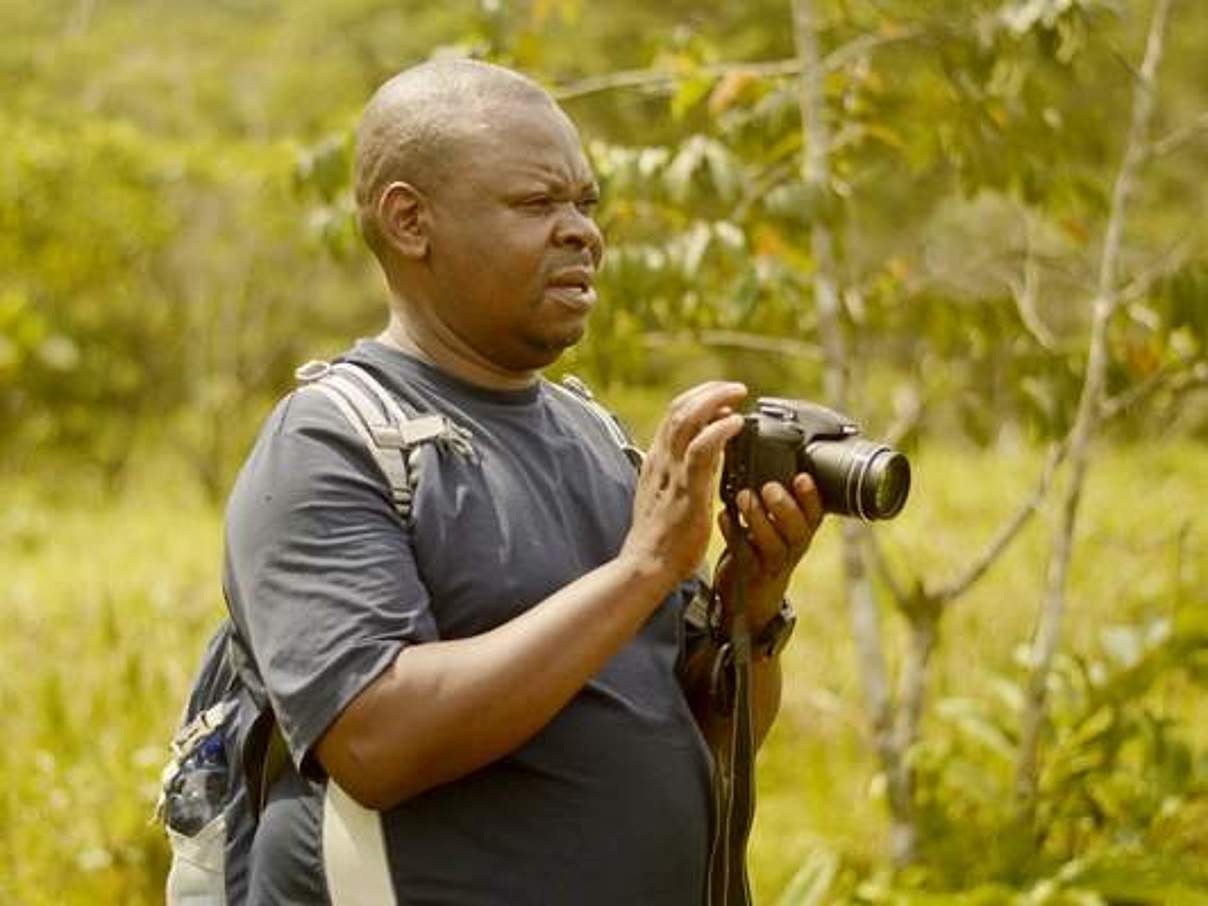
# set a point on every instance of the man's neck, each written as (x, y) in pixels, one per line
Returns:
(445, 351)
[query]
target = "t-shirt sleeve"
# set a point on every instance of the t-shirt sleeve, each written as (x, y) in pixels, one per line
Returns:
(319, 570)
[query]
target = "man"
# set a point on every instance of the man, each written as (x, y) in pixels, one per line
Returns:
(484, 706)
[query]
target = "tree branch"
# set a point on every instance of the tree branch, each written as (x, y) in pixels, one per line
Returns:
(1052, 614)
(735, 339)
(858, 47)
(880, 563)
(1175, 140)
(862, 604)
(1026, 291)
(664, 79)
(1006, 532)
(1170, 262)
(924, 621)
(909, 405)
(815, 173)
(1181, 377)
(80, 19)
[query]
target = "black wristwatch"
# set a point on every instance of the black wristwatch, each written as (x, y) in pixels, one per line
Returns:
(775, 635)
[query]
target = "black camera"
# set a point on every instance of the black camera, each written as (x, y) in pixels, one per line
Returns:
(855, 477)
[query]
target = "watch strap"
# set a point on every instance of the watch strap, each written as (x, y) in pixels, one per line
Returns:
(776, 632)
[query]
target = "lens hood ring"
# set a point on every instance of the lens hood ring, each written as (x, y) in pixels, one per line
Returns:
(865, 464)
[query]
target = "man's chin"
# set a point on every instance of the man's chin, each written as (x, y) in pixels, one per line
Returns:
(549, 347)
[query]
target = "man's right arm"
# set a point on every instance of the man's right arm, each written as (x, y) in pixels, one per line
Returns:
(444, 709)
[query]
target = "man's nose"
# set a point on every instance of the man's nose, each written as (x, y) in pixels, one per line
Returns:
(578, 231)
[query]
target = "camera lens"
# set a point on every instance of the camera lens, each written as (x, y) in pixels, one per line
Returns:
(860, 478)
(889, 480)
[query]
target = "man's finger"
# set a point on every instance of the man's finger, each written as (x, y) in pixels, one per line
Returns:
(787, 515)
(697, 408)
(735, 535)
(686, 398)
(810, 500)
(728, 530)
(704, 450)
(769, 545)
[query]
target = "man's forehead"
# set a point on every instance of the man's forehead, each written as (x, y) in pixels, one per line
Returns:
(574, 172)
(536, 140)
(517, 121)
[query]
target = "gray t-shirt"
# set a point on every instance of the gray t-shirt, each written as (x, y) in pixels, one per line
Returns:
(607, 804)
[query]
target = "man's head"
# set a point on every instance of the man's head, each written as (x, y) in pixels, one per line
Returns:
(474, 193)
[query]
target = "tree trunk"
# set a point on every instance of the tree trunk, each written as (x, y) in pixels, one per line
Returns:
(1086, 421)
(861, 599)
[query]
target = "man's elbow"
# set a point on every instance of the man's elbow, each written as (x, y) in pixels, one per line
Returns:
(377, 783)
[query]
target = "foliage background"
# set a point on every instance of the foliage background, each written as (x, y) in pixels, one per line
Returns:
(175, 237)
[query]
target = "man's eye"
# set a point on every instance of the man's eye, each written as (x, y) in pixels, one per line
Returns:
(588, 205)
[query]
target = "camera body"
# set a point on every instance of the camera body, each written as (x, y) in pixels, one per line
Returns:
(782, 437)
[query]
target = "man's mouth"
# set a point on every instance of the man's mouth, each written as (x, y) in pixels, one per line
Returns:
(573, 287)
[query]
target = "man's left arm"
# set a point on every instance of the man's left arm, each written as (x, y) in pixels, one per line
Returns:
(777, 527)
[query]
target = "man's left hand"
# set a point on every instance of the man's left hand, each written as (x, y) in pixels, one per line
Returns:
(776, 532)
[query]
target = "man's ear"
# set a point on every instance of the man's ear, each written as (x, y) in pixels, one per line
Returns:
(402, 219)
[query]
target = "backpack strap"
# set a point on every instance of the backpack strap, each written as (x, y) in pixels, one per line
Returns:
(191, 734)
(392, 437)
(574, 388)
(390, 434)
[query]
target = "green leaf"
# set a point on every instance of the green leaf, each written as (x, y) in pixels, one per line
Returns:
(689, 93)
(969, 716)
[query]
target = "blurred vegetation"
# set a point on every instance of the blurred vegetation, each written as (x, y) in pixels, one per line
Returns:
(109, 598)
(176, 236)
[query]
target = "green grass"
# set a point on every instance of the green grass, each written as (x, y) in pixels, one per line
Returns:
(107, 602)
(105, 606)
(1141, 553)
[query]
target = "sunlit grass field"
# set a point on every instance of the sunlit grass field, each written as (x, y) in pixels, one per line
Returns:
(107, 600)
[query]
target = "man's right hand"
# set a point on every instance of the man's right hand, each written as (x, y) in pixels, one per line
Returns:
(673, 503)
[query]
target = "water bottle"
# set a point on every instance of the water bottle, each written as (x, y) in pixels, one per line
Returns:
(196, 794)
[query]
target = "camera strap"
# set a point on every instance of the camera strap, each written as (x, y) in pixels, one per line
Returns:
(733, 778)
